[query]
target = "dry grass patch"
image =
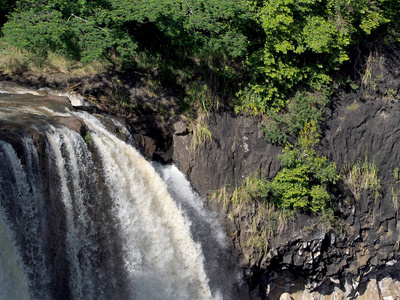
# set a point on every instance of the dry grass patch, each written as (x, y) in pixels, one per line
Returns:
(264, 219)
(362, 176)
(14, 60)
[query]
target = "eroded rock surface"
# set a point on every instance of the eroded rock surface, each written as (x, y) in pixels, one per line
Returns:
(236, 149)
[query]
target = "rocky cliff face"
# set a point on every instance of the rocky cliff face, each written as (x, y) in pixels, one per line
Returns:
(236, 148)
(309, 260)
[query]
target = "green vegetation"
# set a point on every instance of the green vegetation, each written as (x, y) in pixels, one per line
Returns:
(305, 107)
(263, 217)
(200, 131)
(88, 139)
(353, 106)
(396, 191)
(305, 41)
(362, 176)
(395, 198)
(88, 30)
(268, 53)
(17, 60)
(396, 174)
(304, 179)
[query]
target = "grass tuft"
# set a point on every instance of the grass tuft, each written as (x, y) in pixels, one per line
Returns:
(362, 176)
(264, 219)
(201, 133)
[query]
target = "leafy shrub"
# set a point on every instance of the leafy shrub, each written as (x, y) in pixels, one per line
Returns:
(303, 181)
(89, 30)
(305, 107)
(305, 41)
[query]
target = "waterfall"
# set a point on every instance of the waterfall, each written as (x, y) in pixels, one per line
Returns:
(19, 193)
(13, 281)
(205, 229)
(74, 171)
(96, 220)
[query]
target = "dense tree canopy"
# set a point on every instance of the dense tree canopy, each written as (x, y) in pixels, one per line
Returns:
(87, 30)
(305, 40)
(282, 45)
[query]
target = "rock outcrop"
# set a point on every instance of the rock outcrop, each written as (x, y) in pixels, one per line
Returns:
(236, 149)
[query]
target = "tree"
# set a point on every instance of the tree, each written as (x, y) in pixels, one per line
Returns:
(305, 40)
(79, 29)
(87, 30)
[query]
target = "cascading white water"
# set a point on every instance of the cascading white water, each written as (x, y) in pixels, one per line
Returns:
(74, 169)
(106, 225)
(18, 192)
(162, 260)
(205, 230)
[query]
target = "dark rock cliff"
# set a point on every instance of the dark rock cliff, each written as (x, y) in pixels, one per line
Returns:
(308, 258)
(237, 148)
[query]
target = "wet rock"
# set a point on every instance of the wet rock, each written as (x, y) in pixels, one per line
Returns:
(74, 123)
(145, 144)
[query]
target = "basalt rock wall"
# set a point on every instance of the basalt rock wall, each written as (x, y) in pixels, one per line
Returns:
(236, 149)
(309, 259)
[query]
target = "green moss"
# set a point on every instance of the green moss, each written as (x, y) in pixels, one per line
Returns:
(353, 106)
(88, 139)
